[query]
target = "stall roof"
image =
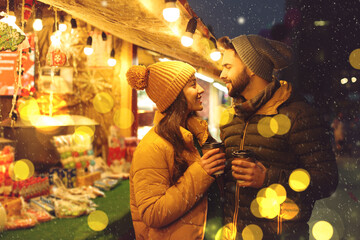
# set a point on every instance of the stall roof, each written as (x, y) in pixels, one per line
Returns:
(140, 22)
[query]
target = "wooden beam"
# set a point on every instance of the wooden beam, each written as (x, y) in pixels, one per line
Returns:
(140, 22)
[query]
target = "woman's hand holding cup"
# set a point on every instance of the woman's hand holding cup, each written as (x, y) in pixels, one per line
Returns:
(213, 161)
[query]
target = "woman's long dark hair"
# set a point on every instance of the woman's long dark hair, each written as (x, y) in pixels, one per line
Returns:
(169, 129)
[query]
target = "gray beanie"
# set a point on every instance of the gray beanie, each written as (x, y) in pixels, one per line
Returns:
(262, 55)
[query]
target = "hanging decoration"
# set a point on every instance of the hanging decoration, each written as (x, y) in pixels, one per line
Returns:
(72, 44)
(56, 56)
(10, 20)
(11, 36)
(28, 9)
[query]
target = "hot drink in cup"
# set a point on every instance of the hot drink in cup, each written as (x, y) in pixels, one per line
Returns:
(245, 155)
(209, 146)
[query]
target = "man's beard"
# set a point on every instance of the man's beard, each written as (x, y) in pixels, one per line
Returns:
(239, 84)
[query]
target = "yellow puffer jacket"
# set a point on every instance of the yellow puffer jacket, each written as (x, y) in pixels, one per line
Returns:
(160, 211)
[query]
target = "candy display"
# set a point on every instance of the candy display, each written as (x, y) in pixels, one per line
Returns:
(39, 214)
(130, 145)
(76, 156)
(60, 192)
(43, 203)
(28, 216)
(67, 209)
(88, 179)
(73, 153)
(6, 163)
(31, 187)
(3, 217)
(12, 205)
(67, 176)
(117, 150)
(106, 184)
(20, 221)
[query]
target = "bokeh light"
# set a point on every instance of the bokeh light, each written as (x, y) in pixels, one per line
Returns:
(98, 220)
(264, 128)
(334, 218)
(280, 192)
(123, 118)
(322, 230)
(354, 58)
(226, 115)
(104, 3)
(225, 232)
(218, 235)
(268, 204)
(84, 135)
(289, 209)
(254, 208)
(267, 193)
(280, 124)
(103, 102)
(252, 232)
(268, 207)
(28, 109)
(213, 227)
(23, 169)
(299, 180)
(241, 20)
(45, 124)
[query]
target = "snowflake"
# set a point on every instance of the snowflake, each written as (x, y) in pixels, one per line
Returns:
(91, 82)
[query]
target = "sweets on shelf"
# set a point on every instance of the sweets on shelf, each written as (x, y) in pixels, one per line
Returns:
(77, 157)
(74, 150)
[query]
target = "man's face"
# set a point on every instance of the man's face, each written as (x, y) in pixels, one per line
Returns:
(234, 73)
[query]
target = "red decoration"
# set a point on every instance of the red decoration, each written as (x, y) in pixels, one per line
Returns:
(56, 58)
(28, 9)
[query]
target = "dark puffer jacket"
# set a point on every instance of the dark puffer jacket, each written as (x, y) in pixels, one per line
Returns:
(306, 145)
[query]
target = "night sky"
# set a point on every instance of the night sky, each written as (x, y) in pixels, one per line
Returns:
(235, 17)
(321, 51)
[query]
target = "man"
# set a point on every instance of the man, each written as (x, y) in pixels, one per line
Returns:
(248, 65)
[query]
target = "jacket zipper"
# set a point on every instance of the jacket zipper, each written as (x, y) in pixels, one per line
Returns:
(236, 210)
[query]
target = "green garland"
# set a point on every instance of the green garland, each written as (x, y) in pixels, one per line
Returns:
(10, 38)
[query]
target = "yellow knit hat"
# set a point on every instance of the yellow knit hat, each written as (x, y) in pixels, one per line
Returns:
(162, 81)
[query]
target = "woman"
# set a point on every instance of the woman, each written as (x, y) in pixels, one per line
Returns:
(168, 178)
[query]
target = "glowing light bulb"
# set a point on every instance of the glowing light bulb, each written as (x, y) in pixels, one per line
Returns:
(187, 39)
(88, 51)
(37, 25)
(62, 27)
(171, 13)
(55, 39)
(111, 62)
(215, 55)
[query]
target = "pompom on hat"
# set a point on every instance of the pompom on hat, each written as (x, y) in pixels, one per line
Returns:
(162, 81)
(262, 55)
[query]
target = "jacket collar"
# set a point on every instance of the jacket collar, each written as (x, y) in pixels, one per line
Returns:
(195, 125)
(280, 96)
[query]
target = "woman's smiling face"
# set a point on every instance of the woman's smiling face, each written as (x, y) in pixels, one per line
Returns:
(192, 92)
